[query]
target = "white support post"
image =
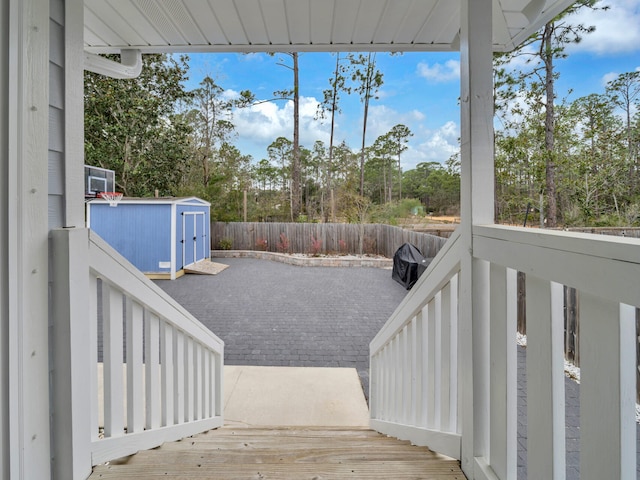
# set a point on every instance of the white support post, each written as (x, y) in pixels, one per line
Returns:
(386, 379)
(71, 399)
(219, 386)
(166, 358)
(206, 383)
(416, 367)
(503, 375)
(437, 354)
(476, 205)
(424, 346)
(24, 282)
(545, 380)
(188, 380)
(197, 379)
(607, 390)
(445, 375)
(405, 369)
(92, 340)
(112, 357)
(395, 381)
(431, 365)
(152, 369)
(135, 413)
(4, 247)
(178, 375)
(454, 413)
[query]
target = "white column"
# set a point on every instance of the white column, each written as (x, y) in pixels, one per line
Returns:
(72, 427)
(476, 200)
(24, 291)
(4, 249)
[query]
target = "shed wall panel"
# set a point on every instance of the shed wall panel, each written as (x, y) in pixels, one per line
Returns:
(140, 232)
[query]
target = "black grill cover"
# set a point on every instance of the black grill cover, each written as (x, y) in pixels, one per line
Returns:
(408, 265)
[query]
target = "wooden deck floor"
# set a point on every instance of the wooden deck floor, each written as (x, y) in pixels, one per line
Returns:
(284, 453)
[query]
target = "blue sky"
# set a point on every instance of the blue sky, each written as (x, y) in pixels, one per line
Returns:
(420, 90)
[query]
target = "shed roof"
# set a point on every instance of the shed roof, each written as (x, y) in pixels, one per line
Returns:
(300, 25)
(159, 201)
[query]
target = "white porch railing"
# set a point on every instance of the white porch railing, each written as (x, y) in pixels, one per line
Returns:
(160, 378)
(416, 386)
(413, 382)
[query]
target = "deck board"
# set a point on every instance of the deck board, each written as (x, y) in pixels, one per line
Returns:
(284, 453)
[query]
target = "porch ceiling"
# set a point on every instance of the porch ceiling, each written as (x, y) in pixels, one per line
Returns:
(299, 25)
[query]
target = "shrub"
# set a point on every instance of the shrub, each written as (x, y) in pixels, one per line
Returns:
(316, 246)
(343, 246)
(261, 244)
(225, 243)
(283, 243)
(369, 245)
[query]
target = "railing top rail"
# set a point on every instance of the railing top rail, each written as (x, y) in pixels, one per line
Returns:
(604, 266)
(438, 273)
(114, 269)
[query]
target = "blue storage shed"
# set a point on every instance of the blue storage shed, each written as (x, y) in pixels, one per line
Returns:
(160, 236)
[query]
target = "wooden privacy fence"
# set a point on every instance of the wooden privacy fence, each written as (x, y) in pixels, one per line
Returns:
(374, 239)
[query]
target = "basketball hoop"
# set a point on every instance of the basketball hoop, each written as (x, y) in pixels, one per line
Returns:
(112, 197)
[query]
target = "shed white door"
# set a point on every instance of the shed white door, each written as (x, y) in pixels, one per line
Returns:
(193, 237)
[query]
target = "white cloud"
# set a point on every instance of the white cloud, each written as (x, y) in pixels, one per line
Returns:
(617, 29)
(608, 77)
(525, 60)
(432, 146)
(440, 73)
(259, 125)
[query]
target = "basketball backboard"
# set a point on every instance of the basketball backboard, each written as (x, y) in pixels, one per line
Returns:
(97, 180)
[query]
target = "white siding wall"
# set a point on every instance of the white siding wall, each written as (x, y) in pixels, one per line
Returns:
(56, 115)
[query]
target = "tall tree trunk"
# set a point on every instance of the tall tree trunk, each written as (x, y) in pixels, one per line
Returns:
(549, 126)
(295, 174)
(334, 102)
(364, 135)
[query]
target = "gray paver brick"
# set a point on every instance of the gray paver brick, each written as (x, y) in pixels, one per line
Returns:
(270, 313)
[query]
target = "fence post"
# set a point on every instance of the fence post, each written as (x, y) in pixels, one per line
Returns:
(71, 354)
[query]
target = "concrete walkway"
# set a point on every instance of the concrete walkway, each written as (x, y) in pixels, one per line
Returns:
(294, 396)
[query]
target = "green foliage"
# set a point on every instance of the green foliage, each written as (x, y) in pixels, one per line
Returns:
(225, 243)
(391, 213)
(437, 188)
(131, 126)
(581, 155)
